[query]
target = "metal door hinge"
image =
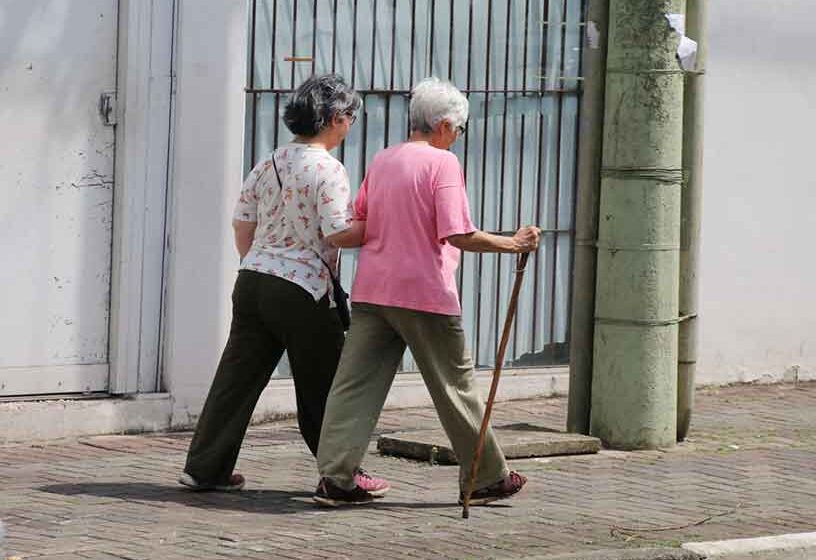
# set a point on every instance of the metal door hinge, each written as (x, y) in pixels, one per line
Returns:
(107, 107)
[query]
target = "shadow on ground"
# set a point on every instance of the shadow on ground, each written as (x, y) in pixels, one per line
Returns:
(254, 501)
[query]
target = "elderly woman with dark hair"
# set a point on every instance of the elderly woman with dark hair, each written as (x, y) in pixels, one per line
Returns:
(415, 206)
(292, 216)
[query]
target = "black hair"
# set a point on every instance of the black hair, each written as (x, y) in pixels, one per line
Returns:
(317, 101)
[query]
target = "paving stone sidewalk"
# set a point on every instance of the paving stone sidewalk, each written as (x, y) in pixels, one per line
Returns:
(748, 470)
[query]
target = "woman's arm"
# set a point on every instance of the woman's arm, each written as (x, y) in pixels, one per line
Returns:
(244, 234)
(524, 241)
(351, 237)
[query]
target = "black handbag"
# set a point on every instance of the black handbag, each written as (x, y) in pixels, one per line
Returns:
(340, 299)
(340, 295)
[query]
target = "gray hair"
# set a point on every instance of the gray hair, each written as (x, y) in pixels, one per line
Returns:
(317, 101)
(434, 101)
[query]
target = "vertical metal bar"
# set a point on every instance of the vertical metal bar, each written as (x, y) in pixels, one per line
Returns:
(393, 41)
(387, 123)
(469, 57)
(518, 212)
(314, 35)
(480, 257)
(294, 40)
(364, 144)
(502, 165)
(354, 44)
(556, 235)
(272, 71)
(277, 117)
(545, 38)
(342, 154)
(353, 61)
(574, 187)
(373, 47)
(274, 44)
(526, 46)
(539, 189)
(525, 27)
(413, 44)
(334, 38)
(252, 43)
(467, 134)
(553, 274)
(364, 147)
(430, 65)
(539, 184)
(450, 42)
(411, 62)
(252, 82)
(552, 73)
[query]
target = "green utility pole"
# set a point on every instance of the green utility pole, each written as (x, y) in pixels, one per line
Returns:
(634, 379)
(690, 222)
(590, 135)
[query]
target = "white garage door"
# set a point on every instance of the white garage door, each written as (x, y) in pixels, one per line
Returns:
(56, 192)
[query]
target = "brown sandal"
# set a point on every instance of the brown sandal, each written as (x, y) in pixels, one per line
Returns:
(504, 488)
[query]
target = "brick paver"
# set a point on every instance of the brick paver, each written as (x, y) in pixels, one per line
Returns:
(748, 470)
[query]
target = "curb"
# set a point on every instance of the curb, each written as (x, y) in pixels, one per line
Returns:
(737, 549)
(626, 554)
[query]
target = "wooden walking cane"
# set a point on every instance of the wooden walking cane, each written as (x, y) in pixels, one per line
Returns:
(521, 264)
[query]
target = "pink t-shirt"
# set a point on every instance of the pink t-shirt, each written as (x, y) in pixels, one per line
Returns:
(413, 197)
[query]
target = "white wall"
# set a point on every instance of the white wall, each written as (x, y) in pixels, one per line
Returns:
(758, 302)
(206, 177)
(757, 315)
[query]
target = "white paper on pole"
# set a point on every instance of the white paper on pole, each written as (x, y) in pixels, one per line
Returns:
(687, 48)
(687, 53)
(677, 22)
(593, 35)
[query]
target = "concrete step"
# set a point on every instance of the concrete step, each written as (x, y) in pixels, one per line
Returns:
(518, 441)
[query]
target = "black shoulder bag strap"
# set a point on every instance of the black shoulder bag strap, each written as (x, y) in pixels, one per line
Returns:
(340, 295)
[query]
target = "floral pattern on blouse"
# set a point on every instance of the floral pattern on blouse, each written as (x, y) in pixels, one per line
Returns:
(294, 219)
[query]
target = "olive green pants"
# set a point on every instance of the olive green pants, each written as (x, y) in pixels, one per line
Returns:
(374, 347)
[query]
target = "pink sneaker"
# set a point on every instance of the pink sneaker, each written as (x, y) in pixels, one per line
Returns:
(377, 487)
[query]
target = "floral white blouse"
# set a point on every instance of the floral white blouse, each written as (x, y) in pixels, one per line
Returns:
(294, 221)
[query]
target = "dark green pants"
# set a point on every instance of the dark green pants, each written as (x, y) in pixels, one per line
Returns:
(269, 315)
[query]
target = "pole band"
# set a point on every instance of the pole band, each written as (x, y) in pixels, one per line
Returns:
(661, 175)
(635, 71)
(644, 247)
(643, 322)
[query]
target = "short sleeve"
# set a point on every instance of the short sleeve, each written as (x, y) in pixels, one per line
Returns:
(451, 201)
(246, 209)
(361, 202)
(334, 199)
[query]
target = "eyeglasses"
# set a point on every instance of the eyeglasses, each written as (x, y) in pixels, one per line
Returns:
(352, 118)
(461, 129)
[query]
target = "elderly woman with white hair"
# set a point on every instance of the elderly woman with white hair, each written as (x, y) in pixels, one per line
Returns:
(415, 207)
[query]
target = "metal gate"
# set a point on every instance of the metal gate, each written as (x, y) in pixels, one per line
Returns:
(518, 62)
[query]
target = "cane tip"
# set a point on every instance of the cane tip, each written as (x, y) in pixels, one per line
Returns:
(465, 514)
